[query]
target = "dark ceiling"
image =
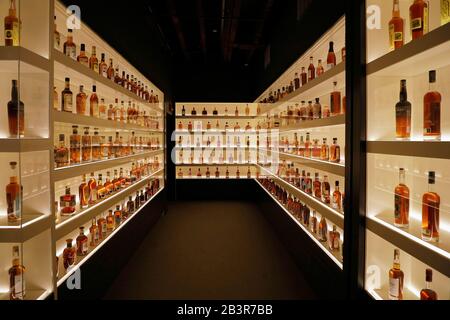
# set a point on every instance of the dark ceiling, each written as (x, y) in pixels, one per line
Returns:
(210, 50)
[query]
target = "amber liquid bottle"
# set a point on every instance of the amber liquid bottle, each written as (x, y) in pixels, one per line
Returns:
(84, 193)
(82, 57)
(14, 197)
(94, 110)
(70, 48)
(16, 113)
(335, 101)
(430, 211)
(103, 67)
(396, 28)
(67, 98)
(92, 190)
(93, 61)
(82, 243)
(311, 70)
(403, 114)
(61, 153)
(432, 110)
(86, 146)
(75, 146)
(337, 197)
(326, 190)
(428, 293)
(335, 152)
(69, 255)
(419, 18)
(331, 58)
(81, 101)
(401, 202)
(396, 278)
(16, 277)
(12, 26)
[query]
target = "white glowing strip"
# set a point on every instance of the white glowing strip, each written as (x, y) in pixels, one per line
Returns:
(114, 196)
(44, 295)
(230, 132)
(321, 246)
(337, 213)
(411, 237)
(220, 178)
(34, 174)
(217, 147)
(86, 258)
(375, 295)
(305, 158)
(310, 127)
(26, 224)
(137, 156)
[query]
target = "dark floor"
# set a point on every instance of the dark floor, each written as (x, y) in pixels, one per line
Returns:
(211, 250)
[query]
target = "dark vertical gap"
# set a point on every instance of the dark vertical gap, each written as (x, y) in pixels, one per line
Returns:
(355, 206)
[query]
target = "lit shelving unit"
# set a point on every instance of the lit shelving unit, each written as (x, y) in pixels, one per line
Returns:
(288, 126)
(417, 156)
(40, 68)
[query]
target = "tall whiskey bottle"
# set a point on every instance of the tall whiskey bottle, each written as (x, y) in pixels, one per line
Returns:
(335, 101)
(432, 110)
(82, 57)
(428, 293)
(14, 197)
(419, 18)
(94, 110)
(430, 211)
(16, 113)
(67, 98)
(16, 277)
(12, 26)
(403, 114)
(70, 48)
(331, 58)
(401, 202)
(396, 278)
(81, 102)
(84, 193)
(93, 60)
(311, 69)
(103, 67)
(396, 28)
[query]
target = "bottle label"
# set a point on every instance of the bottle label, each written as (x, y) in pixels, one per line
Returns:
(19, 287)
(425, 20)
(445, 11)
(394, 288)
(12, 34)
(14, 212)
(432, 121)
(71, 51)
(417, 23)
(84, 247)
(68, 103)
(394, 36)
(57, 39)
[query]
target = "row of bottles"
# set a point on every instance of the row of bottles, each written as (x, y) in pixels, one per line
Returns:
(87, 148)
(220, 141)
(217, 174)
(432, 129)
(304, 148)
(320, 189)
(218, 127)
(226, 113)
(131, 83)
(305, 76)
(419, 21)
(93, 191)
(307, 217)
(97, 108)
(213, 156)
(102, 226)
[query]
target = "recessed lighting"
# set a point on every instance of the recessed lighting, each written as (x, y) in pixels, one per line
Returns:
(214, 30)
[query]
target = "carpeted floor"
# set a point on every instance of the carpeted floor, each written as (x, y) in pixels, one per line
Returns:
(211, 250)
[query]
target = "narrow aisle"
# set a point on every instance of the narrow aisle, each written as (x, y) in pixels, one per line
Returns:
(211, 250)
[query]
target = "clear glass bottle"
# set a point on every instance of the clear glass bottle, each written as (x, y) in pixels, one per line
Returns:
(431, 202)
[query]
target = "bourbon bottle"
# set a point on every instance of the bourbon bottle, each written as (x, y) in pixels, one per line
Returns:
(396, 28)
(396, 278)
(335, 101)
(16, 113)
(430, 211)
(67, 98)
(401, 202)
(428, 293)
(93, 60)
(61, 153)
(432, 110)
(320, 70)
(103, 67)
(16, 277)
(323, 230)
(110, 72)
(326, 190)
(12, 26)
(81, 101)
(304, 76)
(68, 203)
(82, 243)
(403, 114)
(69, 255)
(335, 152)
(75, 146)
(82, 57)
(69, 47)
(337, 197)
(311, 69)
(84, 193)
(94, 233)
(14, 197)
(419, 18)
(110, 221)
(94, 110)
(317, 186)
(331, 58)
(102, 229)
(86, 146)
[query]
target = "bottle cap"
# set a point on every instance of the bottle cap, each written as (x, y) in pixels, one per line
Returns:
(431, 177)
(429, 275)
(83, 47)
(432, 76)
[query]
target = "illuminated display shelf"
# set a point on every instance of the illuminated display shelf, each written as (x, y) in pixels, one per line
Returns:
(22, 55)
(79, 68)
(319, 84)
(332, 255)
(414, 57)
(32, 294)
(335, 168)
(64, 275)
(311, 124)
(331, 214)
(427, 149)
(73, 118)
(218, 117)
(30, 226)
(224, 164)
(242, 147)
(220, 132)
(68, 224)
(86, 168)
(23, 145)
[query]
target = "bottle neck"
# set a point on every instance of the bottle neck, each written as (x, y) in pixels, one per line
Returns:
(431, 187)
(396, 9)
(403, 94)
(432, 86)
(14, 92)
(402, 178)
